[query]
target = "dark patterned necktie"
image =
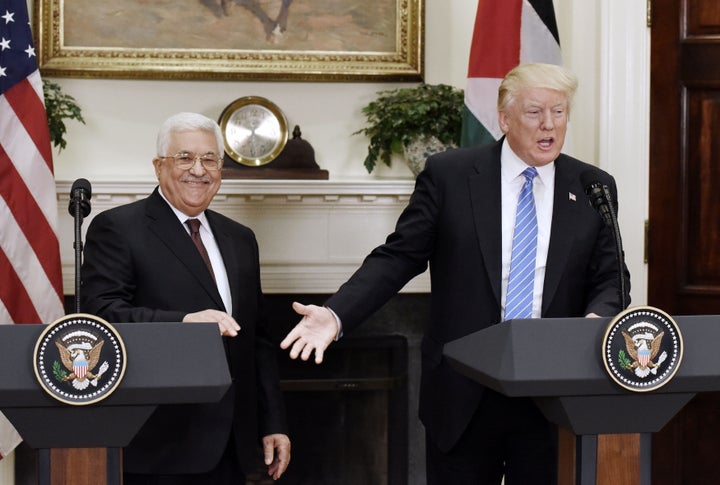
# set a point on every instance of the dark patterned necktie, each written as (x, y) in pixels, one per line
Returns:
(194, 225)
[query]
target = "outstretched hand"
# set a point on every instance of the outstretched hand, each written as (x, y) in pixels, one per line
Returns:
(315, 332)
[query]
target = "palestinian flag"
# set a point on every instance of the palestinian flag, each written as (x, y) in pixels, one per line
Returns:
(507, 33)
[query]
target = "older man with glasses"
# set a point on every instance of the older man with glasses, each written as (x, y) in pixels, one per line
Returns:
(167, 258)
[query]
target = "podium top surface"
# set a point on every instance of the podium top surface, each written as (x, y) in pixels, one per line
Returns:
(166, 363)
(563, 357)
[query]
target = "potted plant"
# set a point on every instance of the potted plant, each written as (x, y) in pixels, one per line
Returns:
(427, 115)
(59, 107)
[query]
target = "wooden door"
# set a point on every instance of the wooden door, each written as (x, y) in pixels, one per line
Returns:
(684, 206)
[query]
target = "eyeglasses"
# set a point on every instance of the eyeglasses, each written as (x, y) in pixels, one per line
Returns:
(186, 161)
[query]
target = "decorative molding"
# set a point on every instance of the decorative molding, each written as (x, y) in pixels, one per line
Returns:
(624, 124)
(312, 234)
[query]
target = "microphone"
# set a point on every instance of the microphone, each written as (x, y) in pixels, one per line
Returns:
(599, 196)
(80, 195)
(600, 199)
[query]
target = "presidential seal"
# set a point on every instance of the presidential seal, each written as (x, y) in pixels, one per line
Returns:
(642, 349)
(79, 359)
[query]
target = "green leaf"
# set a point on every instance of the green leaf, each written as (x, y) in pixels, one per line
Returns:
(397, 117)
(59, 107)
(623, 360)
(58, 371)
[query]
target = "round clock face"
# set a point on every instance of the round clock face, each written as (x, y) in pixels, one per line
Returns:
(254, 129)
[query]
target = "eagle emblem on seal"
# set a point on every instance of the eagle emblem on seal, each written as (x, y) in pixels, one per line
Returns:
(643, 348)
(81, 360)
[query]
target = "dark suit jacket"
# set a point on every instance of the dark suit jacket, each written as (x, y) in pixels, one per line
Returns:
(140, 265)
(453, 222)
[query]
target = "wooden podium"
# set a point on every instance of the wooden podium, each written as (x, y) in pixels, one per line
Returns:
(167, 363)
(558, 362)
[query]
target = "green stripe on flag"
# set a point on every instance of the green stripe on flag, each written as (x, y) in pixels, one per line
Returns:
(473, 132)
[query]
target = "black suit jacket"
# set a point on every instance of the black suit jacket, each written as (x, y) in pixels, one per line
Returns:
(453, 222)
(140, 265)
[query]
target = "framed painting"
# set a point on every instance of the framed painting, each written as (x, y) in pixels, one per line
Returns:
(298, 40)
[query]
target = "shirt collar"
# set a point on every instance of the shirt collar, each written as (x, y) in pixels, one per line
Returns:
(511, 166)
(182, 217)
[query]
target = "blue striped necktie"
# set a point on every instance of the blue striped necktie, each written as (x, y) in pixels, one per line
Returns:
(518, 303)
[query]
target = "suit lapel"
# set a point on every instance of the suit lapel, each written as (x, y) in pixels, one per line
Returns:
(486, 199)
(163, 223)
(565, 209)
(230, 257)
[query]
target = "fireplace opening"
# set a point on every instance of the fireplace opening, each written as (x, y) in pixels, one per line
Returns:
(348, 418)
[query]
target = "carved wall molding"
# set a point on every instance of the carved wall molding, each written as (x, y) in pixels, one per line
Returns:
(312, 234)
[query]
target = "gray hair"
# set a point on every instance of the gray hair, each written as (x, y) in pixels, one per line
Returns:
(536, 75)
(187, 122)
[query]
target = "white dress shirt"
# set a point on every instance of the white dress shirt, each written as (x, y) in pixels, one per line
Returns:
(512, 180)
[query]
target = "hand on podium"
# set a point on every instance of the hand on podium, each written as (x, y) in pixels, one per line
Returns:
(228, 326)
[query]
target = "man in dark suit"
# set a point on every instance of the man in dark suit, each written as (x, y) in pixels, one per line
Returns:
(461, 219)
(141, 264)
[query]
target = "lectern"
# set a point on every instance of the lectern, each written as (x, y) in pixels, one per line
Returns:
(167, 363)
(558, 362)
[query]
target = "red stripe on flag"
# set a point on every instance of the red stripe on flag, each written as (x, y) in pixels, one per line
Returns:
(30, 110)
(13, 294)
(32, 221)
(495, 45)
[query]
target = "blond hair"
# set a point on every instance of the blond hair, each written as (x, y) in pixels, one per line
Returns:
(536, 75)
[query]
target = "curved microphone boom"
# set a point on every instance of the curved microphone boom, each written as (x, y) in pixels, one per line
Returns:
(600, 199)
(79, 207)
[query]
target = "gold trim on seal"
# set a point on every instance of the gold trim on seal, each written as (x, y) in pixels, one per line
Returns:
(120, 346)
(612, 328)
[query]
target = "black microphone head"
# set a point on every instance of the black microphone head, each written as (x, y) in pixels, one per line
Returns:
(596, 193)
(82, 185)
(590, 179)
(80, 194)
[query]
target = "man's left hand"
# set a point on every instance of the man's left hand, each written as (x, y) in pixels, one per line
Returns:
(276, 448)
(228, 326)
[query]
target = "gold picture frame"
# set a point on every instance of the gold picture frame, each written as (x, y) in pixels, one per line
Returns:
(307, 40)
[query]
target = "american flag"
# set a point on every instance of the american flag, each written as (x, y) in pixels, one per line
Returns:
(30, 272)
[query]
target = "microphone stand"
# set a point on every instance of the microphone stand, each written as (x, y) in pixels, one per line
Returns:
(78, 245)
(618, 249)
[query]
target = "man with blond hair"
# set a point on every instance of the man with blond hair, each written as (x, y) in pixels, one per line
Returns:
(472, 211)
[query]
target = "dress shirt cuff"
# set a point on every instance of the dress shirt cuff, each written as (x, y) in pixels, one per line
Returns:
(339, 334)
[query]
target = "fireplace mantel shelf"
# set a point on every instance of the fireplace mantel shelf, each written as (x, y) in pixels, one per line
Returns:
(312, 233)
(265, 187)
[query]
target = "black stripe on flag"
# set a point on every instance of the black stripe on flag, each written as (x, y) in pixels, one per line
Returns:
(546, 12)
